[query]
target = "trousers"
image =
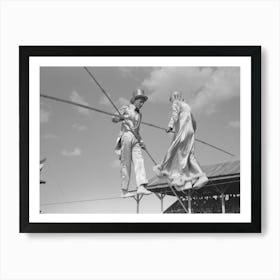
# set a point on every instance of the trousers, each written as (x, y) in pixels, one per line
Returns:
(131, 152)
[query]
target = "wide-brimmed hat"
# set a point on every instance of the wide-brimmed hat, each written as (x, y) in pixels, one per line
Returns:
(138, 94)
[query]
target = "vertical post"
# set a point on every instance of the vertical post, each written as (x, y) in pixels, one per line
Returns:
(189, 201)
(137, 203)
(137, 198)
(223, 203)
(162, 195)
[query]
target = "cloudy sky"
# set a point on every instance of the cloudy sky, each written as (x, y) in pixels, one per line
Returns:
(78, 143)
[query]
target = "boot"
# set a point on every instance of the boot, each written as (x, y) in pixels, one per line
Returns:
(186, 186)
(142, 190)
(126, 194)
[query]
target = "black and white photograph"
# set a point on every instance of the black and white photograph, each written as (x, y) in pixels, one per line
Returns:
(116, 164)
(129, 139)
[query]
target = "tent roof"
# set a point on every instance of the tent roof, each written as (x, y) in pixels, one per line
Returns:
(222, 169)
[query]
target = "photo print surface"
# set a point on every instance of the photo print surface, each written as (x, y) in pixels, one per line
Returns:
(178, 153)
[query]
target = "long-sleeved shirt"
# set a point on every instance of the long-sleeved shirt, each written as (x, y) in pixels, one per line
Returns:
(132, 122)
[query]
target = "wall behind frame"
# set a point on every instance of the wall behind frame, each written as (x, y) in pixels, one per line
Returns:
(121, 256)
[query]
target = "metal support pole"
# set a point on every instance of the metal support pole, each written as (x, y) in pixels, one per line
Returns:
(179, 199)
(137, 203)
(161, 202)
(190, 201)
(161, 197)
(223, 203)
(138, 198)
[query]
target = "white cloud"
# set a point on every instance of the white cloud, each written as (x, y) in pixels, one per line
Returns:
(234, 124)
(105, 101)
(223, 85)
(123, 101)
(79, 127)
(76, 97)
(74, 153)
(203, 87)
(162, 81)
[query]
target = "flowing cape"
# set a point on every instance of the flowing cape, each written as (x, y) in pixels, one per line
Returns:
(179, 164)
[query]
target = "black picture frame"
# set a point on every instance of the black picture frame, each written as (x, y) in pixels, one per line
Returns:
(254, 52)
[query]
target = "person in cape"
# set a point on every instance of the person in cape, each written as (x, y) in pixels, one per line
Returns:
(129, 144)
(179, 164)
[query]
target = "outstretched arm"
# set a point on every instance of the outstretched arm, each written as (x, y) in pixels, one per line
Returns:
(123, 112)
(117, 119)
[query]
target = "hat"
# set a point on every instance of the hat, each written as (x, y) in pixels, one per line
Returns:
(138, 93)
